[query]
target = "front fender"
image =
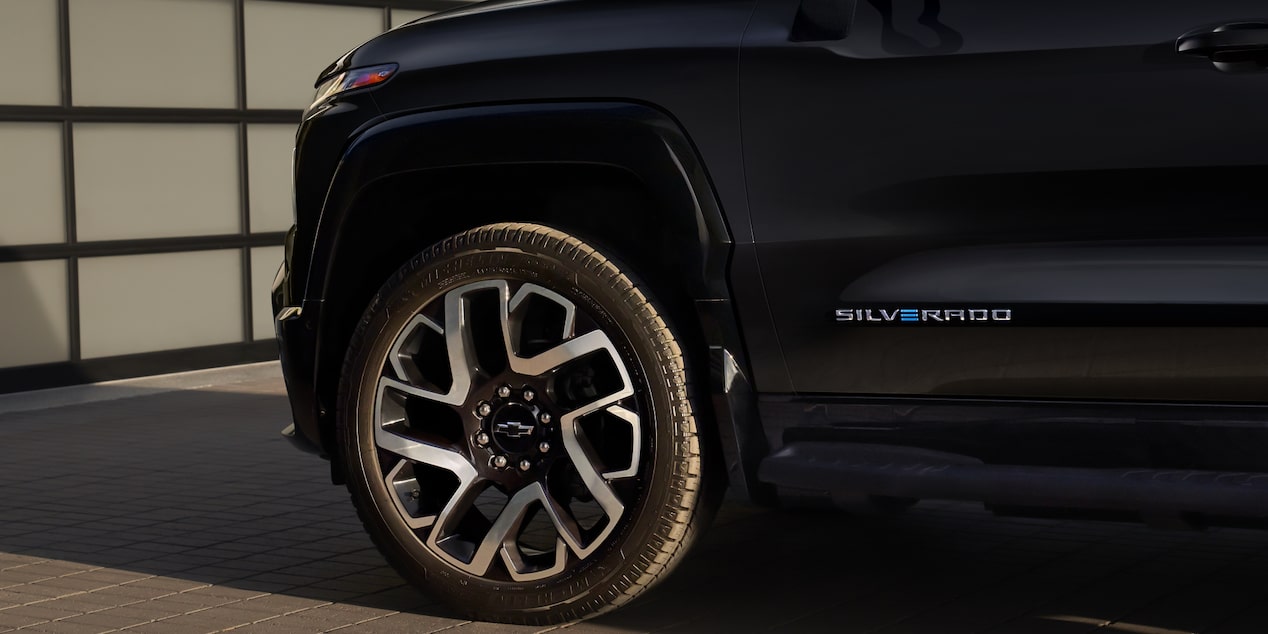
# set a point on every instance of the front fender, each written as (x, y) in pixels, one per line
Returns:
(636, 138)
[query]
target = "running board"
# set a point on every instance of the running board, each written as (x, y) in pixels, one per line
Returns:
(851, 469)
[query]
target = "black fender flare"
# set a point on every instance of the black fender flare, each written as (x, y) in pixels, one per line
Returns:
(634, 137)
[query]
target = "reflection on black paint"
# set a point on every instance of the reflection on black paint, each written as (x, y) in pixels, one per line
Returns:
(896, 43)
(1109, 204)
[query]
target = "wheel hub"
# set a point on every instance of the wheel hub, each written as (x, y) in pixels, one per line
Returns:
(514, 427)
(516, 434)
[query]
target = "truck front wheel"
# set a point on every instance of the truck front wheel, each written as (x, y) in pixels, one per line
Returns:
(517, 424)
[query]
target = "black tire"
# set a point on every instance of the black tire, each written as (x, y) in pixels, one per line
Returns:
(662, 505)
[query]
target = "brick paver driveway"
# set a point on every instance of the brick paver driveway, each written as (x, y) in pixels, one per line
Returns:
(186, 512)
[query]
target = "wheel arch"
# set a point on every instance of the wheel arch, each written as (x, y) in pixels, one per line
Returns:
(623, 176)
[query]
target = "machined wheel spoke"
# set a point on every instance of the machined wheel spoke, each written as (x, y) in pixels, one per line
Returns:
(461, 348)
(520, 570)
(409, 379)
(636, 430)
(412, 390)
(389, 413)
(570, 350)
(594, 481)
(527, 291)
(500, 539)
(506, 528)
(401, 356)
(405, 488)
(463, 363)
(445, 529)
(425, 453)
(567, 526)
(429, 454)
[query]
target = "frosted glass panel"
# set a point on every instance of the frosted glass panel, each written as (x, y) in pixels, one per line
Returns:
(264, 263)
(155, 180)
(28, 46)
(289, 43)
(33, 313)
(269, 165)
(143, 303)
(153, 53)
(401, 16)
(31, 183)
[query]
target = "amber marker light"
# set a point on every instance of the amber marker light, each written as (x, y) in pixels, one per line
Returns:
(363, 77)
(350, 80)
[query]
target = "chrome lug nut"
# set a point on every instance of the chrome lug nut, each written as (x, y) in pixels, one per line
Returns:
(499, 461)
(484, 409)
(525, 465)
(504, 391)
(544, 418)
(529, 394)
(544, 447)
(482, 439)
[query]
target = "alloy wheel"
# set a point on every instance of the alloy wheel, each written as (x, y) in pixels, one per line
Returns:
(508, 429)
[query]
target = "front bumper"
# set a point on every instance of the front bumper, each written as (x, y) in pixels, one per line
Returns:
(296, 327)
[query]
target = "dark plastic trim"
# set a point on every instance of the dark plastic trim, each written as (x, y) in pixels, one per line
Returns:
(845, 470)
(526, 133)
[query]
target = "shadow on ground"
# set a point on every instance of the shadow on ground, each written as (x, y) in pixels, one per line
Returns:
(186, 512)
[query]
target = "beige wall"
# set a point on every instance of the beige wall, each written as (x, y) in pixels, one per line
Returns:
(28, 32)
(143, 180)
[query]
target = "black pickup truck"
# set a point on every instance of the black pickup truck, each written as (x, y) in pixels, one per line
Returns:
(563, 271)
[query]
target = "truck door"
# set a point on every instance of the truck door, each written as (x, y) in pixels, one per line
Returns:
(995, 198)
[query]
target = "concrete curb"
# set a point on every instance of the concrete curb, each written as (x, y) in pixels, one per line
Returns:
(141, 386)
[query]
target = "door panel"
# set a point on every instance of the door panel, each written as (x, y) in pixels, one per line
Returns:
(1057, 161)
